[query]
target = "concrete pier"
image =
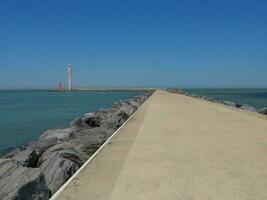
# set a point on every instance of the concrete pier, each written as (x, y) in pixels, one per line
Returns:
(181, 148)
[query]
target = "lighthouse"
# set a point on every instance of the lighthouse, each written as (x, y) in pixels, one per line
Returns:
(69, 77)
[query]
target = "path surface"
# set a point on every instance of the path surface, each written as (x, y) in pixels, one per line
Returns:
(181, 148)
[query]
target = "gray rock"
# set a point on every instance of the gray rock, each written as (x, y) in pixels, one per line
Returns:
(21, 183)
(113, 122)
(263, 111)
(35, 188)
(94, 120)
(207, 98)
(229, 103)
(247, 107)
(79, 124)
(19, 155)
(88, 141)
(194, 95)
(59, 163)
(59, 134)
(43, 144)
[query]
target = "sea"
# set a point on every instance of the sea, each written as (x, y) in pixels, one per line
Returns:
(25, 115)
(256, 97)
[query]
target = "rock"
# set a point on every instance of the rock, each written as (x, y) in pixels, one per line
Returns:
(25, 157)
(207, 98)
(94, 120)
(43, 144)
(237, 105)
(247, 107)
(19, 155)
(89, 114)
(194, 95)
(263, 111)
(229, 103)
(59, 134)
(35, 188)
(88, 141)
(21, 183)
(59, 163)
(112, 122)
(32, 159)
(79, 124)
(7, 167)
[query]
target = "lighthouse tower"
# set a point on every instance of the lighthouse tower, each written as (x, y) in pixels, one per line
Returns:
(69, 77)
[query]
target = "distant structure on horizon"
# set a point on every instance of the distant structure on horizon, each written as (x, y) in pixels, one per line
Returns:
(60, 86)
(69, 77)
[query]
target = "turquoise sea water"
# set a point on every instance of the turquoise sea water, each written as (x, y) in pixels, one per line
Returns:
(25, 115)
(253, 97)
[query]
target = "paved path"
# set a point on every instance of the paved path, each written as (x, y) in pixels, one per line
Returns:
(181, 148)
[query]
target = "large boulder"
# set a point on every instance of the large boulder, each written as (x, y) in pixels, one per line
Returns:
(95, 119)
(79, 124)
(116, 120)
(43, 144)
(28, 155)
(21, 183)
(59, 134)
(59, 163)
(20, 155)
(88, 141)
(124, 106)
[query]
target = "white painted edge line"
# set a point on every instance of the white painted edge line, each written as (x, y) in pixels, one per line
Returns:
(92, 157)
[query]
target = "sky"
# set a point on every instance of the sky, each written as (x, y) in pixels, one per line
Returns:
(137, 43)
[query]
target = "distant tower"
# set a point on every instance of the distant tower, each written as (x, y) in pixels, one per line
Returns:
(69, 77)
(59, 87)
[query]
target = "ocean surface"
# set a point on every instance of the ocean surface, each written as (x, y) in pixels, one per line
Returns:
(253, 97)
(25, 115)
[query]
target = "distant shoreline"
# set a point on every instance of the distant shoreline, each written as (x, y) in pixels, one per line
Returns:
(105, 90)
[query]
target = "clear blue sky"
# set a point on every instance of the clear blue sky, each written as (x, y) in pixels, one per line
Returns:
(190, 43)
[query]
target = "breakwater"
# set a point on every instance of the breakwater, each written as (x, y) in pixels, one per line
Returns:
(179, 147)
(105, 90)
(38, 169)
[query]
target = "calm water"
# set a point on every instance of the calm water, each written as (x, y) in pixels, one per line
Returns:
(254, 97)
(25, 115)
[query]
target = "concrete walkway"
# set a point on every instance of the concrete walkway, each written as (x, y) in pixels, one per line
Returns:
(181, 148)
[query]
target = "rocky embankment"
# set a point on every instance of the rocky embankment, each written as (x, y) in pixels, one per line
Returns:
(35, 171)
(225, 102)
